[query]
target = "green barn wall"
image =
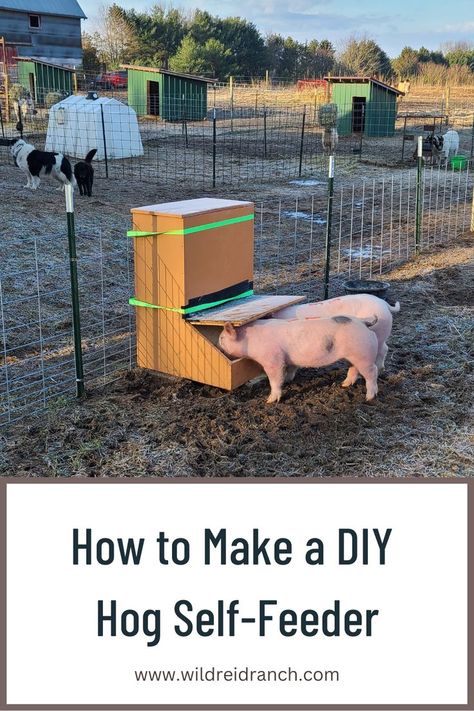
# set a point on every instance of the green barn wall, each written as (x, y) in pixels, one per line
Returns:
(184, 98)
(172, 107)
(24, 71)
(47, 79)
(138, 89)
(380, 111)
(342, 95)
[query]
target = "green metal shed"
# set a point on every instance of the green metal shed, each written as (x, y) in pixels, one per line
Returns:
(169, 95)
(365, 105)
(40, 78)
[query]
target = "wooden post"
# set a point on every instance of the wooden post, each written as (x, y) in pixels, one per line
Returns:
(267, 78)
(74, 81)
(6, 82)
(328, 89)
(7, 94)
(448, 96)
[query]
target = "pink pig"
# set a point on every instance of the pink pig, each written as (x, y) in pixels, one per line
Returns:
(360, 305)
(280, 346)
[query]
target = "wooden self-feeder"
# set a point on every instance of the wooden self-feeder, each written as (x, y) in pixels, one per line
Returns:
(194, 272)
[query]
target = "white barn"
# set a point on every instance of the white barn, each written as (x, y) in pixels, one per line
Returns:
(78, 124)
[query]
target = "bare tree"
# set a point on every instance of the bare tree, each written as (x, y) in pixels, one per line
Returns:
(115, 37)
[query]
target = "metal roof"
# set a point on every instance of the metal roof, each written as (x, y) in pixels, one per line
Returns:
(159, 70)
(46, 64)
(362, 80)
(67, 8)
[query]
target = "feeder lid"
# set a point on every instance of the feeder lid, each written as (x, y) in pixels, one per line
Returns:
(185, 208)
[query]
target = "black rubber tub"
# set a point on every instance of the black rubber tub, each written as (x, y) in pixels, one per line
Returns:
(367, 286)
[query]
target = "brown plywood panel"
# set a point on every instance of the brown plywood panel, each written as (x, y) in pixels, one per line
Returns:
(242, 371)
(168, 344)
(159, 266)
(245, 310)
(218, 260)
(172, 269)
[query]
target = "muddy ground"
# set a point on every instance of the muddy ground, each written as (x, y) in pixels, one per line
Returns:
(420, 425)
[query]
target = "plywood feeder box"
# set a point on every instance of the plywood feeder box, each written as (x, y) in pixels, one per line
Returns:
(194, 272)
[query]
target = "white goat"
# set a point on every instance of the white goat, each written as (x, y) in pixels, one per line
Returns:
(449, 143)
(330, 139)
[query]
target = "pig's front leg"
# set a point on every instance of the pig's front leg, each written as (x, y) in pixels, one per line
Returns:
(290, 373)
(276, 375)
(351, 377)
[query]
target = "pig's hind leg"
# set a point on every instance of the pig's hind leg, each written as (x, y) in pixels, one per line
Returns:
(276, 375)
(370, 373)
(381, 355)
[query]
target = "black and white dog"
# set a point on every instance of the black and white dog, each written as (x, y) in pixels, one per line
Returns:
(84, 173)
(36, 163)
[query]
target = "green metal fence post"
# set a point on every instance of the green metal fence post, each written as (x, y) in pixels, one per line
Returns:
(214, 147)
(419, 195)
(104, 141)
(300, 168)
(265, 132)
(327, 263)
(472, 137)
(76, 319)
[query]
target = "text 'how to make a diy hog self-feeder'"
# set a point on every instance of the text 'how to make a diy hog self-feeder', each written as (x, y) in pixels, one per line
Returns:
(194, 273)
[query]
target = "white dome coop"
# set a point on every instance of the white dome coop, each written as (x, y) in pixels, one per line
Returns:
(78, 124)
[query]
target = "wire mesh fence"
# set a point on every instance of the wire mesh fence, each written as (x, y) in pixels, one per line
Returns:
(373, 229)
(218, 144)
(36, 343)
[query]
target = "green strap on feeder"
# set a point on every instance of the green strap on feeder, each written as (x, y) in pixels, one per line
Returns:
(192, 309)
(193, 230)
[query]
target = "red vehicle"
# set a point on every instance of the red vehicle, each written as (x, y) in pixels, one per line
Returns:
(304, 84)
(111, 80)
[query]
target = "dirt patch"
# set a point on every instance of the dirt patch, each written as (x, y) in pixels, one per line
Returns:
(150, 425)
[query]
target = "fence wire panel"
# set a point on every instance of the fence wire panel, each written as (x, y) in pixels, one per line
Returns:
(36, 342)
(207, 145)
(374, 223)
(373, 229)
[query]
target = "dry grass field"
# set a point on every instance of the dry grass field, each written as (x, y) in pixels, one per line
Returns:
(419, 95)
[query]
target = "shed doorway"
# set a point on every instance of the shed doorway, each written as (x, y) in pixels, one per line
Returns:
(358, 114)
(31, 81)
(153, 92)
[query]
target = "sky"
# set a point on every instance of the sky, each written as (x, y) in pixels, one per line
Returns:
(393, 24)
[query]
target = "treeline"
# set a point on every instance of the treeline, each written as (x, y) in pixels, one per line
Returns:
(201, 43)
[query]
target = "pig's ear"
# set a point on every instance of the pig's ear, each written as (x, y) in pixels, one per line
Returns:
(229, 329)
